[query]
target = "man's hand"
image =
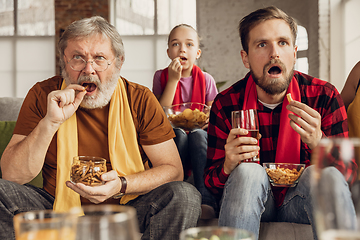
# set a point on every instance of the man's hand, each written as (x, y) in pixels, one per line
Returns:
(175, 69)
(238, 149)
(98, 194)
(306, 122)
(63, 103)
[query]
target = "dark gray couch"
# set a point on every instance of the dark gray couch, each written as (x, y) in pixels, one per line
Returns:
(9, 110)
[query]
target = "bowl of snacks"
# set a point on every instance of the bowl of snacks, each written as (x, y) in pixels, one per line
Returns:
(188, 116)
(283, 174)
(216, 233)
(88, 170)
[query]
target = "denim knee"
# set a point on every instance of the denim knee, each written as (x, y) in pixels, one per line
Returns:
(248, 173)
(247, 181)
(184, 195)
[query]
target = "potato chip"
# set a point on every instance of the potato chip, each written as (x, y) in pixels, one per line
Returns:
(189, 119)
(284, 176)
(289, 98)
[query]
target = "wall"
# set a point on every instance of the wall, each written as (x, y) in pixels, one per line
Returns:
(218, 26)
(332, 49)
(67, 11)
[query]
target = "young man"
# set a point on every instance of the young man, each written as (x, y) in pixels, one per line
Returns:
(93, 111)
(289, 131)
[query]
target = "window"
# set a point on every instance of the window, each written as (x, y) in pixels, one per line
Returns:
(27, 44)
(144, 26)
(302, 63)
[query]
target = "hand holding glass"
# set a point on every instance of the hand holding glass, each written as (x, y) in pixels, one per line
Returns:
(247, 119)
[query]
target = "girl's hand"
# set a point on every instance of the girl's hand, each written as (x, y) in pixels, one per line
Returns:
(175, 69)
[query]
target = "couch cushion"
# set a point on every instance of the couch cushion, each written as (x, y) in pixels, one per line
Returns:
(9, 108)
(6, 131)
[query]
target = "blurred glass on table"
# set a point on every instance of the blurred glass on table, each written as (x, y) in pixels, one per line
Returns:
(334, 209)
(106, 222)
(44, 225)
(216, 233)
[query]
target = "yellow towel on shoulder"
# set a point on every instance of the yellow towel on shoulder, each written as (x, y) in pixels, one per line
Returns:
(123, 148)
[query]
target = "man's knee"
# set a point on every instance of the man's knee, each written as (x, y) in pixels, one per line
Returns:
(184, 195)
(250, 172)
(334, 176)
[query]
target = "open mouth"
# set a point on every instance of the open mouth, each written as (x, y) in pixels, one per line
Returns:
(89, 87)
(274, 70)
(183, 58)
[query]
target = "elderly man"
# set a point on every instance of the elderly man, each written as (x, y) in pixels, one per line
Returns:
(289, 130)
(93, 111)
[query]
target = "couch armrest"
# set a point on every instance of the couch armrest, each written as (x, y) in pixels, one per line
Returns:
(9, 108)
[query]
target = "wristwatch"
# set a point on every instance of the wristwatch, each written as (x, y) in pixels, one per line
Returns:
(123, 188)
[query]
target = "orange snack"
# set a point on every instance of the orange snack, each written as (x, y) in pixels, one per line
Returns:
(284, 176)
(289, 98)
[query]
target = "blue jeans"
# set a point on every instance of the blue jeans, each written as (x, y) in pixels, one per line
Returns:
(248, 199)
(162, 213)
(192, 148)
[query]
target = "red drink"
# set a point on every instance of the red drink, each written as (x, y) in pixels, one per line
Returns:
(246, 119)
(254, 134)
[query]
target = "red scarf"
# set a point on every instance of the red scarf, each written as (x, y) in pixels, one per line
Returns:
(289, 142)
(198, 90)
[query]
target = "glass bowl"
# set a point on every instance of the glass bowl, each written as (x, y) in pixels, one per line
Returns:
(188, 116)
(216, 233)
(284, 174)
(88, 170)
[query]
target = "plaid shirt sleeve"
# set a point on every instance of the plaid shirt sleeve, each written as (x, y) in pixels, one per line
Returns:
(318, 94)
(218, 131)
(324, 98)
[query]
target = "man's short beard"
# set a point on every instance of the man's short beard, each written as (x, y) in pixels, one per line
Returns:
(273, 86)
(104, 90)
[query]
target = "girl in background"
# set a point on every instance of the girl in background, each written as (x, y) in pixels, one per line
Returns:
(182, 81)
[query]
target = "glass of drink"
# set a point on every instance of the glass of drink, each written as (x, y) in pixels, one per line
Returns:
(106, 222)
(247, 119)
(44, 225)
(333, 219)
(215, 232)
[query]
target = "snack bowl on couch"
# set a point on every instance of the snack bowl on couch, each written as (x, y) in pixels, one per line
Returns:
(188, 116)
(284, 174)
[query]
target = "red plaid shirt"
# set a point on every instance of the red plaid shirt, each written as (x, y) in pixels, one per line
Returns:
(318, 94)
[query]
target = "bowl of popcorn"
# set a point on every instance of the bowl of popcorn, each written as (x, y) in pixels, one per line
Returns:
(216, 233)
(188, 116)
(88, 170)
(283, 174)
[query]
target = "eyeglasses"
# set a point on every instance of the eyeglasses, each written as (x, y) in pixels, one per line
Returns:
(100, 64)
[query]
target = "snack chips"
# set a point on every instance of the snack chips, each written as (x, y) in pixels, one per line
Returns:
(289, 98)
(88, 173)
(284, 176)
(189, 119)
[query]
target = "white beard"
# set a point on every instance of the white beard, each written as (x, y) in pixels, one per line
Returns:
(104, 90)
